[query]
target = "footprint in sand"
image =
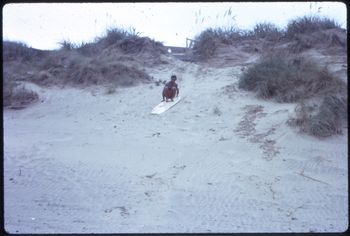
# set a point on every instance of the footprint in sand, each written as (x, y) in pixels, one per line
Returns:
(246, 129)
(122, 210)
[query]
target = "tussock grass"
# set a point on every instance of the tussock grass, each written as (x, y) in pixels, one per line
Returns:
(129, 41)
(321, 97)
(298, 29)
(112, 36)
(132, 45)
(67, 45)
(205, 44)
(267, 31)
(309, 24)
(18, 51)
(95, 72)
(79, 71)
(289, 78)
(208, 40)
(16, 96)
(319, 39)
(96, 63)
(88, 49)
(321, 119)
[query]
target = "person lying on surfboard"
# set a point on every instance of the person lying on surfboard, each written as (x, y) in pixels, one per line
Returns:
(170, 89)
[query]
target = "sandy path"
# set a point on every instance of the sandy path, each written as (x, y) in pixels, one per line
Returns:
(84, 161)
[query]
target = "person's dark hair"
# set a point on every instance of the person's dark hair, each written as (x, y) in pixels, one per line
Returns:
(173, 76)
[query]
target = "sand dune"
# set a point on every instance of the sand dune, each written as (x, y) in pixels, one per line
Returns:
(221, 160)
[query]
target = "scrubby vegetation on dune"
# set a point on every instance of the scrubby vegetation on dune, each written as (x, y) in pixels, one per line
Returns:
(321, 97)
(106, 61)
(284, 73)
(16, 96)
(305, 32)
(309, 24)
(18, 51)
(321, 117)
(127, 41)
(289, 78)
(208, 40)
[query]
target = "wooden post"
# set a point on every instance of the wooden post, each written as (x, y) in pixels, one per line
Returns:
(189, 43)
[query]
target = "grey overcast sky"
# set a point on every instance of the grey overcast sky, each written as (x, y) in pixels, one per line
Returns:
(44, 25)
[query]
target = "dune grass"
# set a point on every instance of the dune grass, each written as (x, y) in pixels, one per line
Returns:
(321, 97)
(209, 39)
(309, 24)
(82, 64)
(289, 78)
(17, 96)
(267, 31)
(19, 51)
(321, 118)
(97, 72)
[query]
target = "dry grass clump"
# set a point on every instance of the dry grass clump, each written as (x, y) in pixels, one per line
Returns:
(319, 39)
(69, 67)
(18, 51)
(288, 78)
(95, 63)
(132, 45)
(112, 36)
(208, 40)
(267, 31)
(16, 96)
(88, 49)
(67, 45)
(129, 41)
(322, 97)
(321, 119)
(299, 30)
(97, 72)
(205, 44)
(88, 72)
(309, 24)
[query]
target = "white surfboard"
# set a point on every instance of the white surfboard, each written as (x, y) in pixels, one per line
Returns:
(163, 106)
